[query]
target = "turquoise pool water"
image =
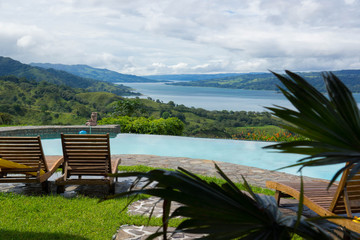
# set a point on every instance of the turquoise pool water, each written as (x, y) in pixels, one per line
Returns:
(249, 153)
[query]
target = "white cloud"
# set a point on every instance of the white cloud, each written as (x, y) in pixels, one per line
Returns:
(25, 41)
(189, 36)
(179, 66)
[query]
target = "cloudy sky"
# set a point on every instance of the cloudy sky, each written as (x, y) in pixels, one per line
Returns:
(145, 37)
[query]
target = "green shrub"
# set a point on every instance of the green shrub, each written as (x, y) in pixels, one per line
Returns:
(169, 126)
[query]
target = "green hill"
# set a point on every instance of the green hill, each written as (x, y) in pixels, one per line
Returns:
(24, 101)
(94, 73)
(267, 81)
(10, 67)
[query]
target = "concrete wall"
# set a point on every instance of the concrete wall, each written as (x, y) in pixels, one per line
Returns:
(54, 131)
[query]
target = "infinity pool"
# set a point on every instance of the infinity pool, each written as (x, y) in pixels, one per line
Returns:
(249, 153)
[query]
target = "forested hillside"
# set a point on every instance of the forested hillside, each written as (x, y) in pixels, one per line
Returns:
(10, 67)
(30, 102)
(267, 81)
(94, 73)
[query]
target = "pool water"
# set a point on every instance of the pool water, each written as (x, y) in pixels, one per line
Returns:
(249, 153)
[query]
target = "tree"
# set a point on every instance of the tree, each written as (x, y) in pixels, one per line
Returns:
(6, 118)
(128, 107)
(171, 104)
(165, 115)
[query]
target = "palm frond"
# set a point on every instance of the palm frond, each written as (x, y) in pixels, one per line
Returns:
(331, 122)
(222, 212)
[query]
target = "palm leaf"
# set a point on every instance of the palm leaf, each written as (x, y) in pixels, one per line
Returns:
(331, 122)
(221, 212)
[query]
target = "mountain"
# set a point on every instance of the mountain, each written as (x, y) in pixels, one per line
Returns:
(267, 81)
(86, 71)
(10, 67)
(190, 77)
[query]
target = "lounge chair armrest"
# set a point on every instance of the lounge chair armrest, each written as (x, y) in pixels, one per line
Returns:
(56, 164)
(115, 162)
(62, 178)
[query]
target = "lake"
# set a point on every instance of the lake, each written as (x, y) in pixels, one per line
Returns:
(214, 98)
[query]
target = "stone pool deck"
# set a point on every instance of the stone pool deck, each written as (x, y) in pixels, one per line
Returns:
(255, 176)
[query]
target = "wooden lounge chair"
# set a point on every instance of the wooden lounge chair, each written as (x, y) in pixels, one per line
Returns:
(27, 161)
(341, 199)
(86, 156)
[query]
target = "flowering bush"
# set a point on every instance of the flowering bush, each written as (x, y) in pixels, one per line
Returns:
(261, 135)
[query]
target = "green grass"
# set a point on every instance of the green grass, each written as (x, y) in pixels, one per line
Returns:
(55, 217)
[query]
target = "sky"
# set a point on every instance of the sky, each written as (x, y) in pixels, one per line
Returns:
(148, 37)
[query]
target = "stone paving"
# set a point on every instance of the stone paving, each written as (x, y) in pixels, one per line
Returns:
(254, 176)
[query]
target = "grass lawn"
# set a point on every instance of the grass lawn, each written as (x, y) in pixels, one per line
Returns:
(56, 217)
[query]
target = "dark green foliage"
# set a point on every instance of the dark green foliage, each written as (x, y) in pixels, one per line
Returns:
(29, 102)
(332, 123)
(170, 126)
(129, 107)
(209, 130)
(165, 115)
(10, 67)
(221, 211)
(6, 119)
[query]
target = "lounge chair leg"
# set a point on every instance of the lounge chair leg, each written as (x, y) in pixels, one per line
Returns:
(45, 186)
(277, 197)
(60, 189)
(112, 188)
